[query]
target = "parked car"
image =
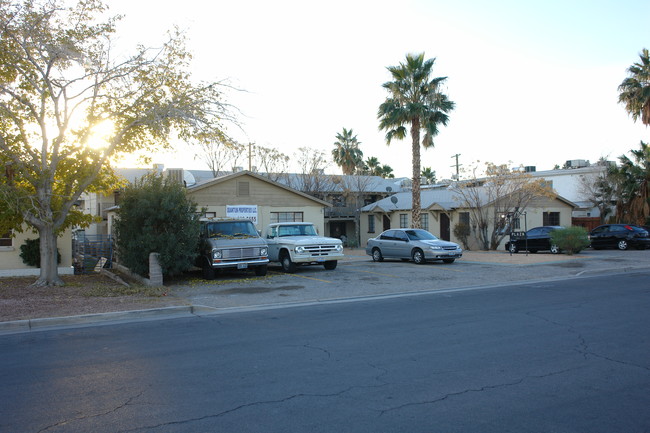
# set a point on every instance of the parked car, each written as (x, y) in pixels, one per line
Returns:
(228, 243)
(412, 244)
(621, 236)
(535, 239)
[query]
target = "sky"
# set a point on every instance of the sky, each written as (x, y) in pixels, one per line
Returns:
(534, 82)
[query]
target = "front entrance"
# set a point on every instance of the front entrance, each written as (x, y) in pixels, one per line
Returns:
(445, 233)
(386, 222)
(337, 229)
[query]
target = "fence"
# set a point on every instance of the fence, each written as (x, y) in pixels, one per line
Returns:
(90, 253)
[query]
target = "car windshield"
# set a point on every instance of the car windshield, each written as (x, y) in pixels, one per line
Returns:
(297, 230)
(420, 235)
(230, 229)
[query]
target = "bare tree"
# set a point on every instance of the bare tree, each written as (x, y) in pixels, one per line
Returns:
(311, 178)
(499, 193)
(271, 162)
(220, 155)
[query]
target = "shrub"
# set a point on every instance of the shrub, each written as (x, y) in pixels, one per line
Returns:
(570, 240)
(30, 252)
(462, 232)
(155, 216)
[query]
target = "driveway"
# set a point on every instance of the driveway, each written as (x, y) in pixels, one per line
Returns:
(359, 277)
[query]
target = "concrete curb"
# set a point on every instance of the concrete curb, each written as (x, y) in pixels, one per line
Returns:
(18, 326)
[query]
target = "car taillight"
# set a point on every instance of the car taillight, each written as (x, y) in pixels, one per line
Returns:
(629, 228)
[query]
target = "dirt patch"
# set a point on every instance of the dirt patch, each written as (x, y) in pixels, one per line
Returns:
(82, 294)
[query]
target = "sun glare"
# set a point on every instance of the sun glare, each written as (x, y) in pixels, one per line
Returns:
(101, 134)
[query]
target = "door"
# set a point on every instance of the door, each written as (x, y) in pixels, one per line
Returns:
(386, 222)
(445, 233)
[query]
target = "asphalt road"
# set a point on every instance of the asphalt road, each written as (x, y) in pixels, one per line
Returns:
(556, 356)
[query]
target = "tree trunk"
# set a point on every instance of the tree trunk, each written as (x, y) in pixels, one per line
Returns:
(49, 274)
(415, 190)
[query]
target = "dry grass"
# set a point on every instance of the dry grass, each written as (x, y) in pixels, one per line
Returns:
(82, 294)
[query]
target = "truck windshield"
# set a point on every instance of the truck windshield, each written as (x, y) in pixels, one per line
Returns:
(297, 230)
(231, 229)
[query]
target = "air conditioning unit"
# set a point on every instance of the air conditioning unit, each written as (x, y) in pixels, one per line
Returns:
(530, 169)
(577, 163)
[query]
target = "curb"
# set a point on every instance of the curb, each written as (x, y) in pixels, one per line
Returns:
(18, 326)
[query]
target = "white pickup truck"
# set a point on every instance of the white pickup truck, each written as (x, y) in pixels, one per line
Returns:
(294, 244)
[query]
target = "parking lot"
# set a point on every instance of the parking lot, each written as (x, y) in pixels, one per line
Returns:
(359, 277)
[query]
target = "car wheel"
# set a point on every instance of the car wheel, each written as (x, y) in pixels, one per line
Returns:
(208, 272)
(555, 249)
(330, 265)
(448, 260)
(418, 256)
(260, 271)
(287, 265)
(622, 245)
(376, 255)
(514, 249)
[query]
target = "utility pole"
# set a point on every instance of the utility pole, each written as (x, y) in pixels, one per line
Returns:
(250, 156)
(457, 165)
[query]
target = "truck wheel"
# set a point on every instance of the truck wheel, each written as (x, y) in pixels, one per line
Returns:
(260, 271)
(208, 272)
(330, 265)
(287, 265)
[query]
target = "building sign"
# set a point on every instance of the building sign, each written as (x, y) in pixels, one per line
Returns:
(242, 211)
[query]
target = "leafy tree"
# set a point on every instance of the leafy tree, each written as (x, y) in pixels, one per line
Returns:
(428, 175)
(633, 176)
(414, 100)
(155, 216)
(347, 154)
(499, 192)
(59, 83)
(635, 89)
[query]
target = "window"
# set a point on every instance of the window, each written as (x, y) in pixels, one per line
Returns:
(286, 217)
(210, 214)
(5, 240)
(551, 218)
(463, 218)
(424, 221)
(403, 220)
(371, 223)
(243, 189)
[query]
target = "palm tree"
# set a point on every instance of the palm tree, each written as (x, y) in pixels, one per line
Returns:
(414, 100)
(386, 171)
(633, 177)
(374, 168)
(428, 175)
(635, 89)
(347, 154)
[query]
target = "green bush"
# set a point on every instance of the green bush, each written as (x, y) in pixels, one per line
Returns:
(462, 232)
(570, 240)
(30, 252)
(156, 216)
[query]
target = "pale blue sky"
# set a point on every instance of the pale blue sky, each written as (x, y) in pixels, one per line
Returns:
(534, 82)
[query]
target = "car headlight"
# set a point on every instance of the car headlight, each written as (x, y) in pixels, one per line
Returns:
(300, 250)
(264, 252)
(435, 248)
(339, 248)
(216, 254)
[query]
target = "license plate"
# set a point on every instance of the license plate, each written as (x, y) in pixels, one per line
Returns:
(242, 265)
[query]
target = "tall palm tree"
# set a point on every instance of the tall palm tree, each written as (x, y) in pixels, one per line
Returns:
(347, 154)
(414, 100)
(635, 89)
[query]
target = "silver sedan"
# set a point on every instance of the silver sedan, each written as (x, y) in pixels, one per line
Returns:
(412, 244)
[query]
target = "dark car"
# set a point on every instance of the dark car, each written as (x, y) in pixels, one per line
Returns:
(621, 236)
(536, 239)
